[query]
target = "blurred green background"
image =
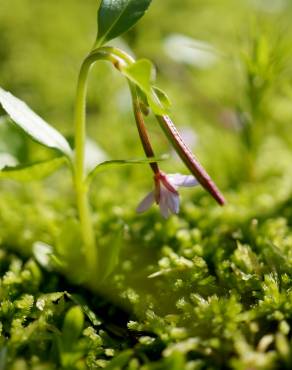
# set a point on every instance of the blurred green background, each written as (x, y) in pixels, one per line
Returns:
(43, 44)
(226, 65)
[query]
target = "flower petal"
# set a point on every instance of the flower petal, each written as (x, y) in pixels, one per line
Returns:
(146, 203)
(164, 210)
(163, 202)
(173, 202)
(182, 180)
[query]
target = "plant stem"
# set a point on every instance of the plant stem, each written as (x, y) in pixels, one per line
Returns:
(172, 134)
(189, 158)
(81, 187)
(87, 231)
(142, 128)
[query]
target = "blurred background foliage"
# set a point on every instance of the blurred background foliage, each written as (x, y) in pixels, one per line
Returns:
(226, 65)
(43, 44)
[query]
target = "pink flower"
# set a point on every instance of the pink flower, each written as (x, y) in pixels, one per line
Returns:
(165, 193)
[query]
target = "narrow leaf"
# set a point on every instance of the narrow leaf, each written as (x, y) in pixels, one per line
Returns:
(142, 74)
(32, 172)
(32, 124)
(163, 97)
(79, 300)
(120, 360)
(72, 327)
(120, 162)
(117, 16)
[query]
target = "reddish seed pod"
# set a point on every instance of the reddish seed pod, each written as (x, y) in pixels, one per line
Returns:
(189, 158)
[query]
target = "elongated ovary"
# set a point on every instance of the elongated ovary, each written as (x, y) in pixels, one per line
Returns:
(189, 158)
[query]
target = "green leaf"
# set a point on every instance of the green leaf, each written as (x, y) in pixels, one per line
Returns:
(117, 16)
(32, 124)
(142, 74)
(79, 300)
(68, 341)
(163, 97)
(120, 162)
(176, 361)
(120, 360)
(32, 172)
(72, 327)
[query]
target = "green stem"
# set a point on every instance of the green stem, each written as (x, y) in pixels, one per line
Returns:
(80, 177)
(81, 187)
(90, 248)
(115, 56)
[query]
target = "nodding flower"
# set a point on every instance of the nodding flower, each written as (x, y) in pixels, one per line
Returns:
(165, 192)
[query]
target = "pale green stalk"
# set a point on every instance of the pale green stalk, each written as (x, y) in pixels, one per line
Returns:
(87, 231)
(80, 176)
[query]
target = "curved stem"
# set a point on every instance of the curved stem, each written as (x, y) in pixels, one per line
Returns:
(80, 121)
(87, 231)
(81, 187)
(142, 128)
(169, 129)
(118, 58)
